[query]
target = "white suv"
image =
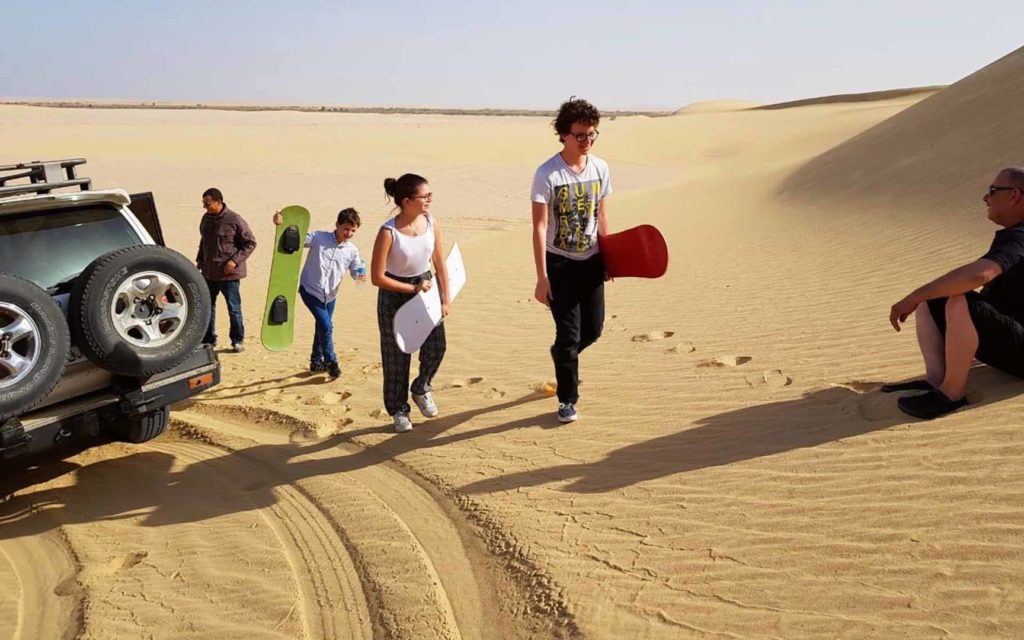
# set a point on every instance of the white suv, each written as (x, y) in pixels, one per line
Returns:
(100, 324)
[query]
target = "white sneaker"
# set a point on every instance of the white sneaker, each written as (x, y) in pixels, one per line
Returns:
(402, 422)
(426, 404)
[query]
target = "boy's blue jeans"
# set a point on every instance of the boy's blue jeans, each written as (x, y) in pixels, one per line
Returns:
(323, 335)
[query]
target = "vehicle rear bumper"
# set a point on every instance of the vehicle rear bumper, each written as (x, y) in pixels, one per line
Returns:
(87, 415)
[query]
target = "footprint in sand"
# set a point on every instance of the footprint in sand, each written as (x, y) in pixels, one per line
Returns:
(134, 558)
(653, 336)
(773, 378)
(724, 361)
(879, 406)
(379, 414)
(372, 368)
(860, 399)
(494, 393)
(459, 384)
(302, 434)
(860, 385)
(682, 347)
(328, 398)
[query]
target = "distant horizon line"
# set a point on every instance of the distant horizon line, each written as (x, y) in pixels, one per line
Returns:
(76, 103)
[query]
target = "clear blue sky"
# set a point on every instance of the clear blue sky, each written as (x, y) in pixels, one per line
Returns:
(644, 54)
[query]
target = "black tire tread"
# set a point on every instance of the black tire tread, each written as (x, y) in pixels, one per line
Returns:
(145, 427)
(85, 339)
(62, 326)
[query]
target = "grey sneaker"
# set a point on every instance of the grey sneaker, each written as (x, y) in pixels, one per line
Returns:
(238, 347)
(402, 422)
(426, 404)
(567, 412)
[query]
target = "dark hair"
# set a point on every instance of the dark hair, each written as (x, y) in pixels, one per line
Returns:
(214, 194)
(404, 187)
(349, 216)
(575, 110)
(1016, 176)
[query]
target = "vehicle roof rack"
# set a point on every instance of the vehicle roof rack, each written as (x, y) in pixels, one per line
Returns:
(43, 177)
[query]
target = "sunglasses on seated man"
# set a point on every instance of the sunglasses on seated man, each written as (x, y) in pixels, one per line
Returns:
(992, 189)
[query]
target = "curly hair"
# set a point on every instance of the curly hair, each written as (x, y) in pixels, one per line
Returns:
(575, 110)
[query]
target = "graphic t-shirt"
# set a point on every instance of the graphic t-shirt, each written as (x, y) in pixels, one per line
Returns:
(572, 200)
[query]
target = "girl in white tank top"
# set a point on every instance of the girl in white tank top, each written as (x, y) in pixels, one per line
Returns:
(403, 253)
(410, 255)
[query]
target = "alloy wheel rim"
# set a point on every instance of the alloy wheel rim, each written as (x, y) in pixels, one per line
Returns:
(149, 309)
(20, 344)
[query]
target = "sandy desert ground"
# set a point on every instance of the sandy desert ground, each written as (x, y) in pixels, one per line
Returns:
(735, 474)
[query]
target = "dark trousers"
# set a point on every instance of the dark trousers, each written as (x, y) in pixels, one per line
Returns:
(577, 305)
(323, 333)
(395, 363)
(233, 296)
(1000, 335)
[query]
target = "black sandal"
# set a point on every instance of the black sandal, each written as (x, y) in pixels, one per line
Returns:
(910, 385)
(929, 406)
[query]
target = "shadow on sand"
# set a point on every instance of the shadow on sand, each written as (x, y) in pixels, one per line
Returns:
(818, 417)
(151, 484)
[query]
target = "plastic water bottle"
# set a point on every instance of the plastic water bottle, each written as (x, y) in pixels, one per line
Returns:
(360, 272)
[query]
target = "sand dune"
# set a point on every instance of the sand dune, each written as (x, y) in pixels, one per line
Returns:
(735, 473)
(715, 106)
(869, 96)
(934, 155)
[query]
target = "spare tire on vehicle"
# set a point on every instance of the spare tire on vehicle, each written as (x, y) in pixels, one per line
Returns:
(34, 344)
(140, 310)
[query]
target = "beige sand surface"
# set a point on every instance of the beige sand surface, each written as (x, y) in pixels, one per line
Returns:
(735, 473)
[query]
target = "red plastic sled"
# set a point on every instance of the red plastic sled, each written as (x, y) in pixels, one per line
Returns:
(639, 252)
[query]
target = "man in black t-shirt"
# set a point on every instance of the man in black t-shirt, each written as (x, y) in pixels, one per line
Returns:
(955, 323)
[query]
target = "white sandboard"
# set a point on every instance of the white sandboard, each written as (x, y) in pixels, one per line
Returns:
(418, 317)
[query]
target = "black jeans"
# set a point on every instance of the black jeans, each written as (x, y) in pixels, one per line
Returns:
(232, 294)
(577, 305)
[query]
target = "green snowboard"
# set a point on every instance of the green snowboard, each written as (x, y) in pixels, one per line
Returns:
(279, 314)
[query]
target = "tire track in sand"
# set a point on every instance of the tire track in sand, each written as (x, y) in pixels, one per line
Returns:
(331, 600)
(39, 574)
(425, 571)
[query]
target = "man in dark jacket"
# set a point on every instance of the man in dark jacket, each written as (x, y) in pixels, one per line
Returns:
(225, 242)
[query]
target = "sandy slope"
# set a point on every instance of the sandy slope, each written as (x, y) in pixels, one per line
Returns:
(735, 474)
(933, 155)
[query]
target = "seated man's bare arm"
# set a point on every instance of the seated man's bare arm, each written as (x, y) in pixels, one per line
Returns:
(957, 282)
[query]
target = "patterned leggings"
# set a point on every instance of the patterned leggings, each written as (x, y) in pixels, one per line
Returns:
(396, 363)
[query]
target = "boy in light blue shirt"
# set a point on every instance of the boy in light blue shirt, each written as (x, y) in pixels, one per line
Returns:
(331, 254)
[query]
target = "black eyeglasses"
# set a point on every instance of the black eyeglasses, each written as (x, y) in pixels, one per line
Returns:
(583, 137)
(993, 188)
(427, 196)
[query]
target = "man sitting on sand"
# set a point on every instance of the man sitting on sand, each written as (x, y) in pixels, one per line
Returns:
(955, 323)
